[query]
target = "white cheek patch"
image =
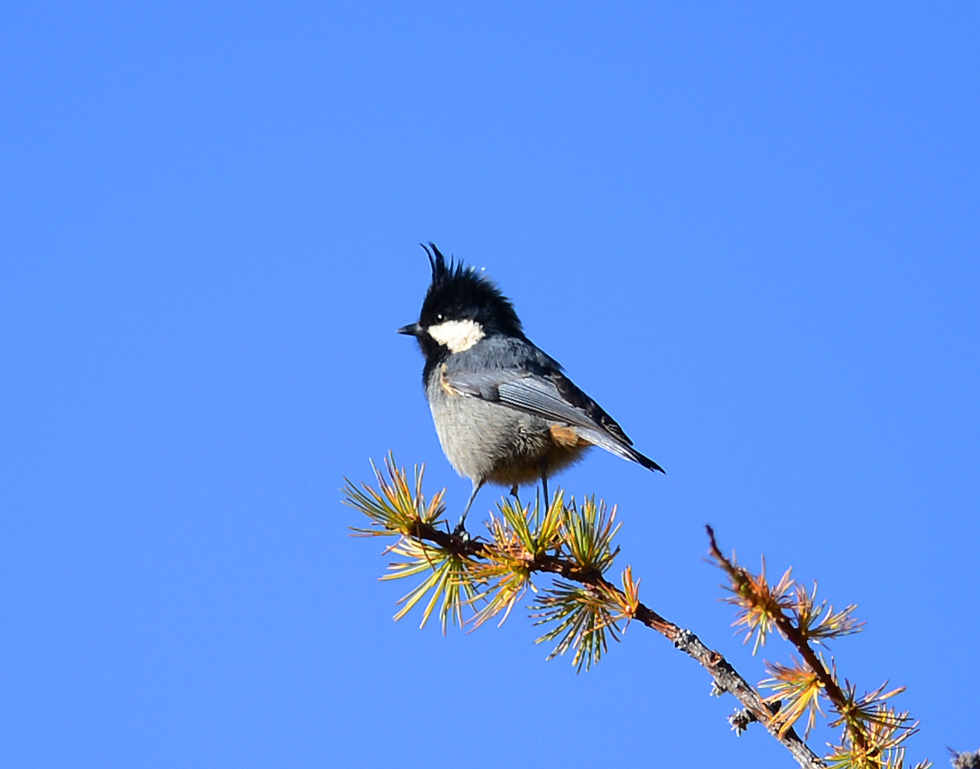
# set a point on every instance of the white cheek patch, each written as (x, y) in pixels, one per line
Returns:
(457, 335)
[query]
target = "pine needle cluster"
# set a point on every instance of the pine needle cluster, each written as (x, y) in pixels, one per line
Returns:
(873, 732)
(469, 582)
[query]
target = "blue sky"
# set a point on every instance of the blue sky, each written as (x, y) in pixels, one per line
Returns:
(749, 232)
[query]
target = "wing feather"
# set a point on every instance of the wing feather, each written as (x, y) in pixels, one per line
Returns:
(536, 394)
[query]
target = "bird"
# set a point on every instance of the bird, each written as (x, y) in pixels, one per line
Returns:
(504, 410)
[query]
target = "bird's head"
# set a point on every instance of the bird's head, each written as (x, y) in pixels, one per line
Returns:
(461, 307)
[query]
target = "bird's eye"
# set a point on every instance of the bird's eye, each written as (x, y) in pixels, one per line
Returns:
(439, 317)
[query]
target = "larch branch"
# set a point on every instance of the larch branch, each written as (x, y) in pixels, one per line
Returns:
(725, 676)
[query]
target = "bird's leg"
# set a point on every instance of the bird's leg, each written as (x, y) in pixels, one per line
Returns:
(460, 530)
(544, 483)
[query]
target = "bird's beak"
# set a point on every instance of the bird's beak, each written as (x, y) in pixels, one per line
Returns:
(412, 329)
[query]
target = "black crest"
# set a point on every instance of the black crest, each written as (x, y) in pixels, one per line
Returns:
(459, 292)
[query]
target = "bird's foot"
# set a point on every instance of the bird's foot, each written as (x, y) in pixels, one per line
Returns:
(460, 530)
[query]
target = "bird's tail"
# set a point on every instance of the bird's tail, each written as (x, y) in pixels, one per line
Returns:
(648, 463)
(620, 449)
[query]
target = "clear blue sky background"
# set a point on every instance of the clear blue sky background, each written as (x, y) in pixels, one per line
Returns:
(750, 233)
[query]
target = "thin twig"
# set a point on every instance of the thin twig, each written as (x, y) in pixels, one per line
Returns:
(791, 633)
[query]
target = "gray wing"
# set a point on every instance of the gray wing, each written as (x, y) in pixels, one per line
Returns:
(550, 395)
(521, 390)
